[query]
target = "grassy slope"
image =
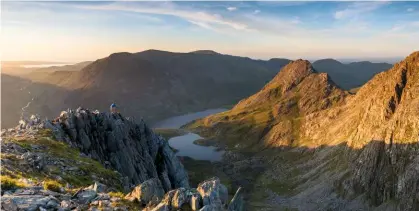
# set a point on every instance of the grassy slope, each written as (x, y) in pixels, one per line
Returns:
(44, 142)
(169, 133)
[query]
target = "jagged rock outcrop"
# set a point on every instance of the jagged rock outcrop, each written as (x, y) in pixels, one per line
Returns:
(209, 195)
(213, 192)
(130, 148)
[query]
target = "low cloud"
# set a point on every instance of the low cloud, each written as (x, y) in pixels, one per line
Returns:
(231, 8)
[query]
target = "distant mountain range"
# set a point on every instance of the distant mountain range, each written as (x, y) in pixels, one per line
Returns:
(350, 75)
(158, 84)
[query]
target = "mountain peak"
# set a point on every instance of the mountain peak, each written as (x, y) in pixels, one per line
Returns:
(208, 52)
(297, 80)
(120, 54)
(328, 61)
(413, 57)
(292, 74)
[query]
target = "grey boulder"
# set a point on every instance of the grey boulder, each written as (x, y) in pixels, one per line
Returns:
(147, 191)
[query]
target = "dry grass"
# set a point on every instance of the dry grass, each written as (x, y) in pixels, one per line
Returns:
(9, 183)
(52, 185)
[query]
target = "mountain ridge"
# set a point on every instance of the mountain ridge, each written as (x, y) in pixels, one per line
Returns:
(157, 84)
(364, 144)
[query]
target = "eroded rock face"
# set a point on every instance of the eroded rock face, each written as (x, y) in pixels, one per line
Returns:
(130, 148)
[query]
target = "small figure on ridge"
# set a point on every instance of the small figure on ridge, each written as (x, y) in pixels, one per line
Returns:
(113, 108)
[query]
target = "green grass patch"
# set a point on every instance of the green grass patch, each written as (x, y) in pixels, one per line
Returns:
(23, 144)
(282, 187)
(62, 150)
(57, 149)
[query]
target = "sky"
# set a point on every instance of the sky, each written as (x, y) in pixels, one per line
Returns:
(80, 31)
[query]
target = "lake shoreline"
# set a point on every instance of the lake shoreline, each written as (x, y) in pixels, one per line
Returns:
(186, 142)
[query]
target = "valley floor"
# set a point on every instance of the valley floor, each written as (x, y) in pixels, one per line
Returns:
(288, 178)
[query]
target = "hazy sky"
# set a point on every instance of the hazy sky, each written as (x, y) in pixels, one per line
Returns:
(77, 31)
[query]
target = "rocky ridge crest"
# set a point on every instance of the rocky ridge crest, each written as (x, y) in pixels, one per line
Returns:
(130, 148)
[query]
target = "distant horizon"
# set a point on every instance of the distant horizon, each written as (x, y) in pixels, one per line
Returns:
(390, 60)
(85, 31)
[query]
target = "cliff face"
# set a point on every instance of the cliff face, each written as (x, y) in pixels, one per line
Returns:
(389, 118)
(385, 108)
(131, 149)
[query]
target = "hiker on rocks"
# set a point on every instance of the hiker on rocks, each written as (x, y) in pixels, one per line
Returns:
(115, 113)
(113, 109)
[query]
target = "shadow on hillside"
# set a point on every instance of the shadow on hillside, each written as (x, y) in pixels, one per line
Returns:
(35, 98)
(297, 177)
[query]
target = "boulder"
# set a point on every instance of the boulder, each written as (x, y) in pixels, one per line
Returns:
(8, 204)
(98, 187)
(195, 201)
(161, 207)
(52, 204)
(67, 204)
(213, 192)
(86, 196)
(179, 198)
(146, 191)
(168, 197)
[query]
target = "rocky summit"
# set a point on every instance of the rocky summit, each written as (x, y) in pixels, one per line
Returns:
(317, 147)
(88, 160)
(130, 148)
